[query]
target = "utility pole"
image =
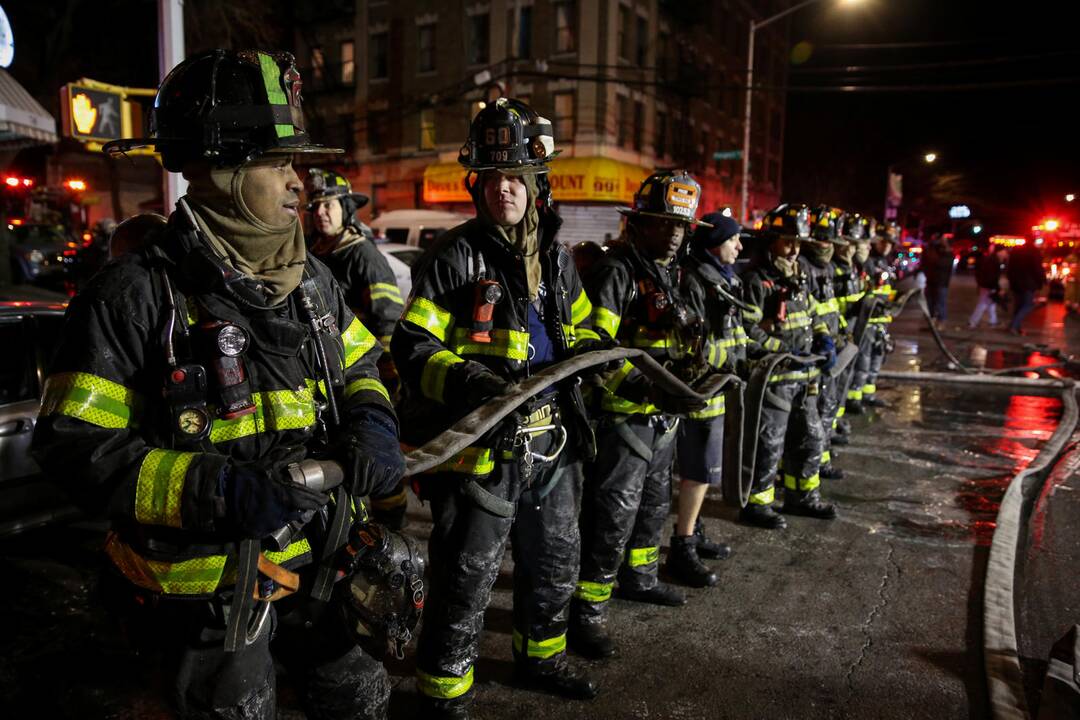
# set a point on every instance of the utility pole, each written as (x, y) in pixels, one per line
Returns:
(170, 54)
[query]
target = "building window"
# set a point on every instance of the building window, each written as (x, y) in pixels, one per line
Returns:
(622, 116)
(642, 51)
(524, 33)
(348, 62)
(426, 48)
(624, 33)
(564, 117)
(376, 132)
(427, 129)
(348, 139)
(479, 34)
(318, 64)
(565, 36)
(660, 145)
(380, 51)
(639, 125)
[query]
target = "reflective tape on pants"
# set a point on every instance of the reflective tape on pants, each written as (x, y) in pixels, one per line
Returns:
(444, 688)
(542, 649)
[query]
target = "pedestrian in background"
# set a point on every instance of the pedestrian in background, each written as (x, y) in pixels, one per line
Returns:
(1026, 276)
(937, 266)
(988, 275)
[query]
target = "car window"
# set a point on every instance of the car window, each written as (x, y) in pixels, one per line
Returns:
(407, 255)
(45, 236)
(430, 235)
(47, 329)
(18, 371)
(397, 235)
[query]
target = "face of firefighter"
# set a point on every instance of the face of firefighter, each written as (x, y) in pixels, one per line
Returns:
(506, 198)
(271, 190)
(785, 247)
(661, 237)
(728, 251)
(327, 217)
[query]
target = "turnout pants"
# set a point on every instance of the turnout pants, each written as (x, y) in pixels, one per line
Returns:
(334, 677)
(624, 508)
(868, 364)
(831, 406)
(466, 551)
(790, 433)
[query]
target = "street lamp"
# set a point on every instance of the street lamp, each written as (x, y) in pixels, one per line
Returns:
(930, 157)
(1070, 197)
(754, 26)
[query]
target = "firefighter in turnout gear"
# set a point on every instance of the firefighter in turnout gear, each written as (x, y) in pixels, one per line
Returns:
(495, 300)
(192, 376)
(862, 231)
(790, 434)
(816, 263)
(713, 291)
(849, 288)
(346, 246)
(636, 301)
(880, 276)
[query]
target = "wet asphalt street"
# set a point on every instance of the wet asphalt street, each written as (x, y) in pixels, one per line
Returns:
(874, 615)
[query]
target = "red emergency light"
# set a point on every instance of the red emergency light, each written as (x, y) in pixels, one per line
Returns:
(75, 184)
(13, 182)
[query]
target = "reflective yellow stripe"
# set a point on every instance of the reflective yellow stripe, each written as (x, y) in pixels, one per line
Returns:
(644, 556)
(772, 344)
(510, 344)
(713, 409)
(614, 403)
(542, 649)
(869, 389)
(826, 457)
(581, 309)
(828, 306)
(428, 316)
(765, 497)
(433, 376)
(854, 394)
(586, 334)
(797, 320)
(470, 461)
(802, 484)
(593, 592)
(89, 398)
(753, 314)
(370, 384)
(840, 413)
(808, 374)
(444, 688)
(881, 320)
(569, 334)
(275, 410)
(386, 291)
(606, 320)
(160, 486)
(645, 337)
(296, 549)
(357, 340)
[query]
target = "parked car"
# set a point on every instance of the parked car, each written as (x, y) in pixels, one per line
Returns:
(401, 259)
(29, 331)
(38, 253)
(415, 227)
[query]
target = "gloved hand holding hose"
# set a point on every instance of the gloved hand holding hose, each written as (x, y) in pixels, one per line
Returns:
(826, 347)
(369, 452)
(260, 497)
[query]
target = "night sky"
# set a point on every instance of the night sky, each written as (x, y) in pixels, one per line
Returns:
(1014, 146)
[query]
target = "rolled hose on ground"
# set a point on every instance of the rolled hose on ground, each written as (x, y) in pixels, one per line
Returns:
(466, 430)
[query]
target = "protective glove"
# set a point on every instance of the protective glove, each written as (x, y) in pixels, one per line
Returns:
(825, 346)
(369, 452)
(674, 404)
(483, 386)
(260, 497)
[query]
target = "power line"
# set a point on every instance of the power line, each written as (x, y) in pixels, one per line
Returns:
(931, 66)
(904, 45)
(926, 88)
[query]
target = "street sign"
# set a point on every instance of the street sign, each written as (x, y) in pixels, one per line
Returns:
(727, 155)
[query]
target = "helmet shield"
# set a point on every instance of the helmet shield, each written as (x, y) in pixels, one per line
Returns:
(671, 194)
(825, 222)
(323, 185)
(788, 220)
(227, 107)
(508, 136)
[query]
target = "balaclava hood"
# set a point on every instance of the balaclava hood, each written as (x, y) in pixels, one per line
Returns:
(523, 236)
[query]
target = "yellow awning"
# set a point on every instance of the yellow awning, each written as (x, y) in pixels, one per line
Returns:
(576, 179)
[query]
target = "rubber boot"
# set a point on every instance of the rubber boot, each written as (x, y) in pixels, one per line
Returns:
(439, 709)
(831, 472)
(808, 504)
(588, 636)
(855, 407)
(838, 439)
(659, 594)
(843, 427)
(874, 401)
(762, 516)
(557, 678)
(709, 549)
(684, 565)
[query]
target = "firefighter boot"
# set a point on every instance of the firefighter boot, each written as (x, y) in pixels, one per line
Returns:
(830, 472)
(440, 709)
(855, 407)
(808, 504)
(560, 678)
(707, 548)
(684, 565)
(839, 439)
(587, 634)
(874, 401)
(843, 427)
(762, 516)
(658, 594)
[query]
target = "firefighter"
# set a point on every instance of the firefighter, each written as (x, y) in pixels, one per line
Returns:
(497, 299)
(849, 288)
(713, 291)
(781, 305)
(816, 263)
(862, 232)
(880, 276)
(637, 301)
(347, 247)
(192, 375)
